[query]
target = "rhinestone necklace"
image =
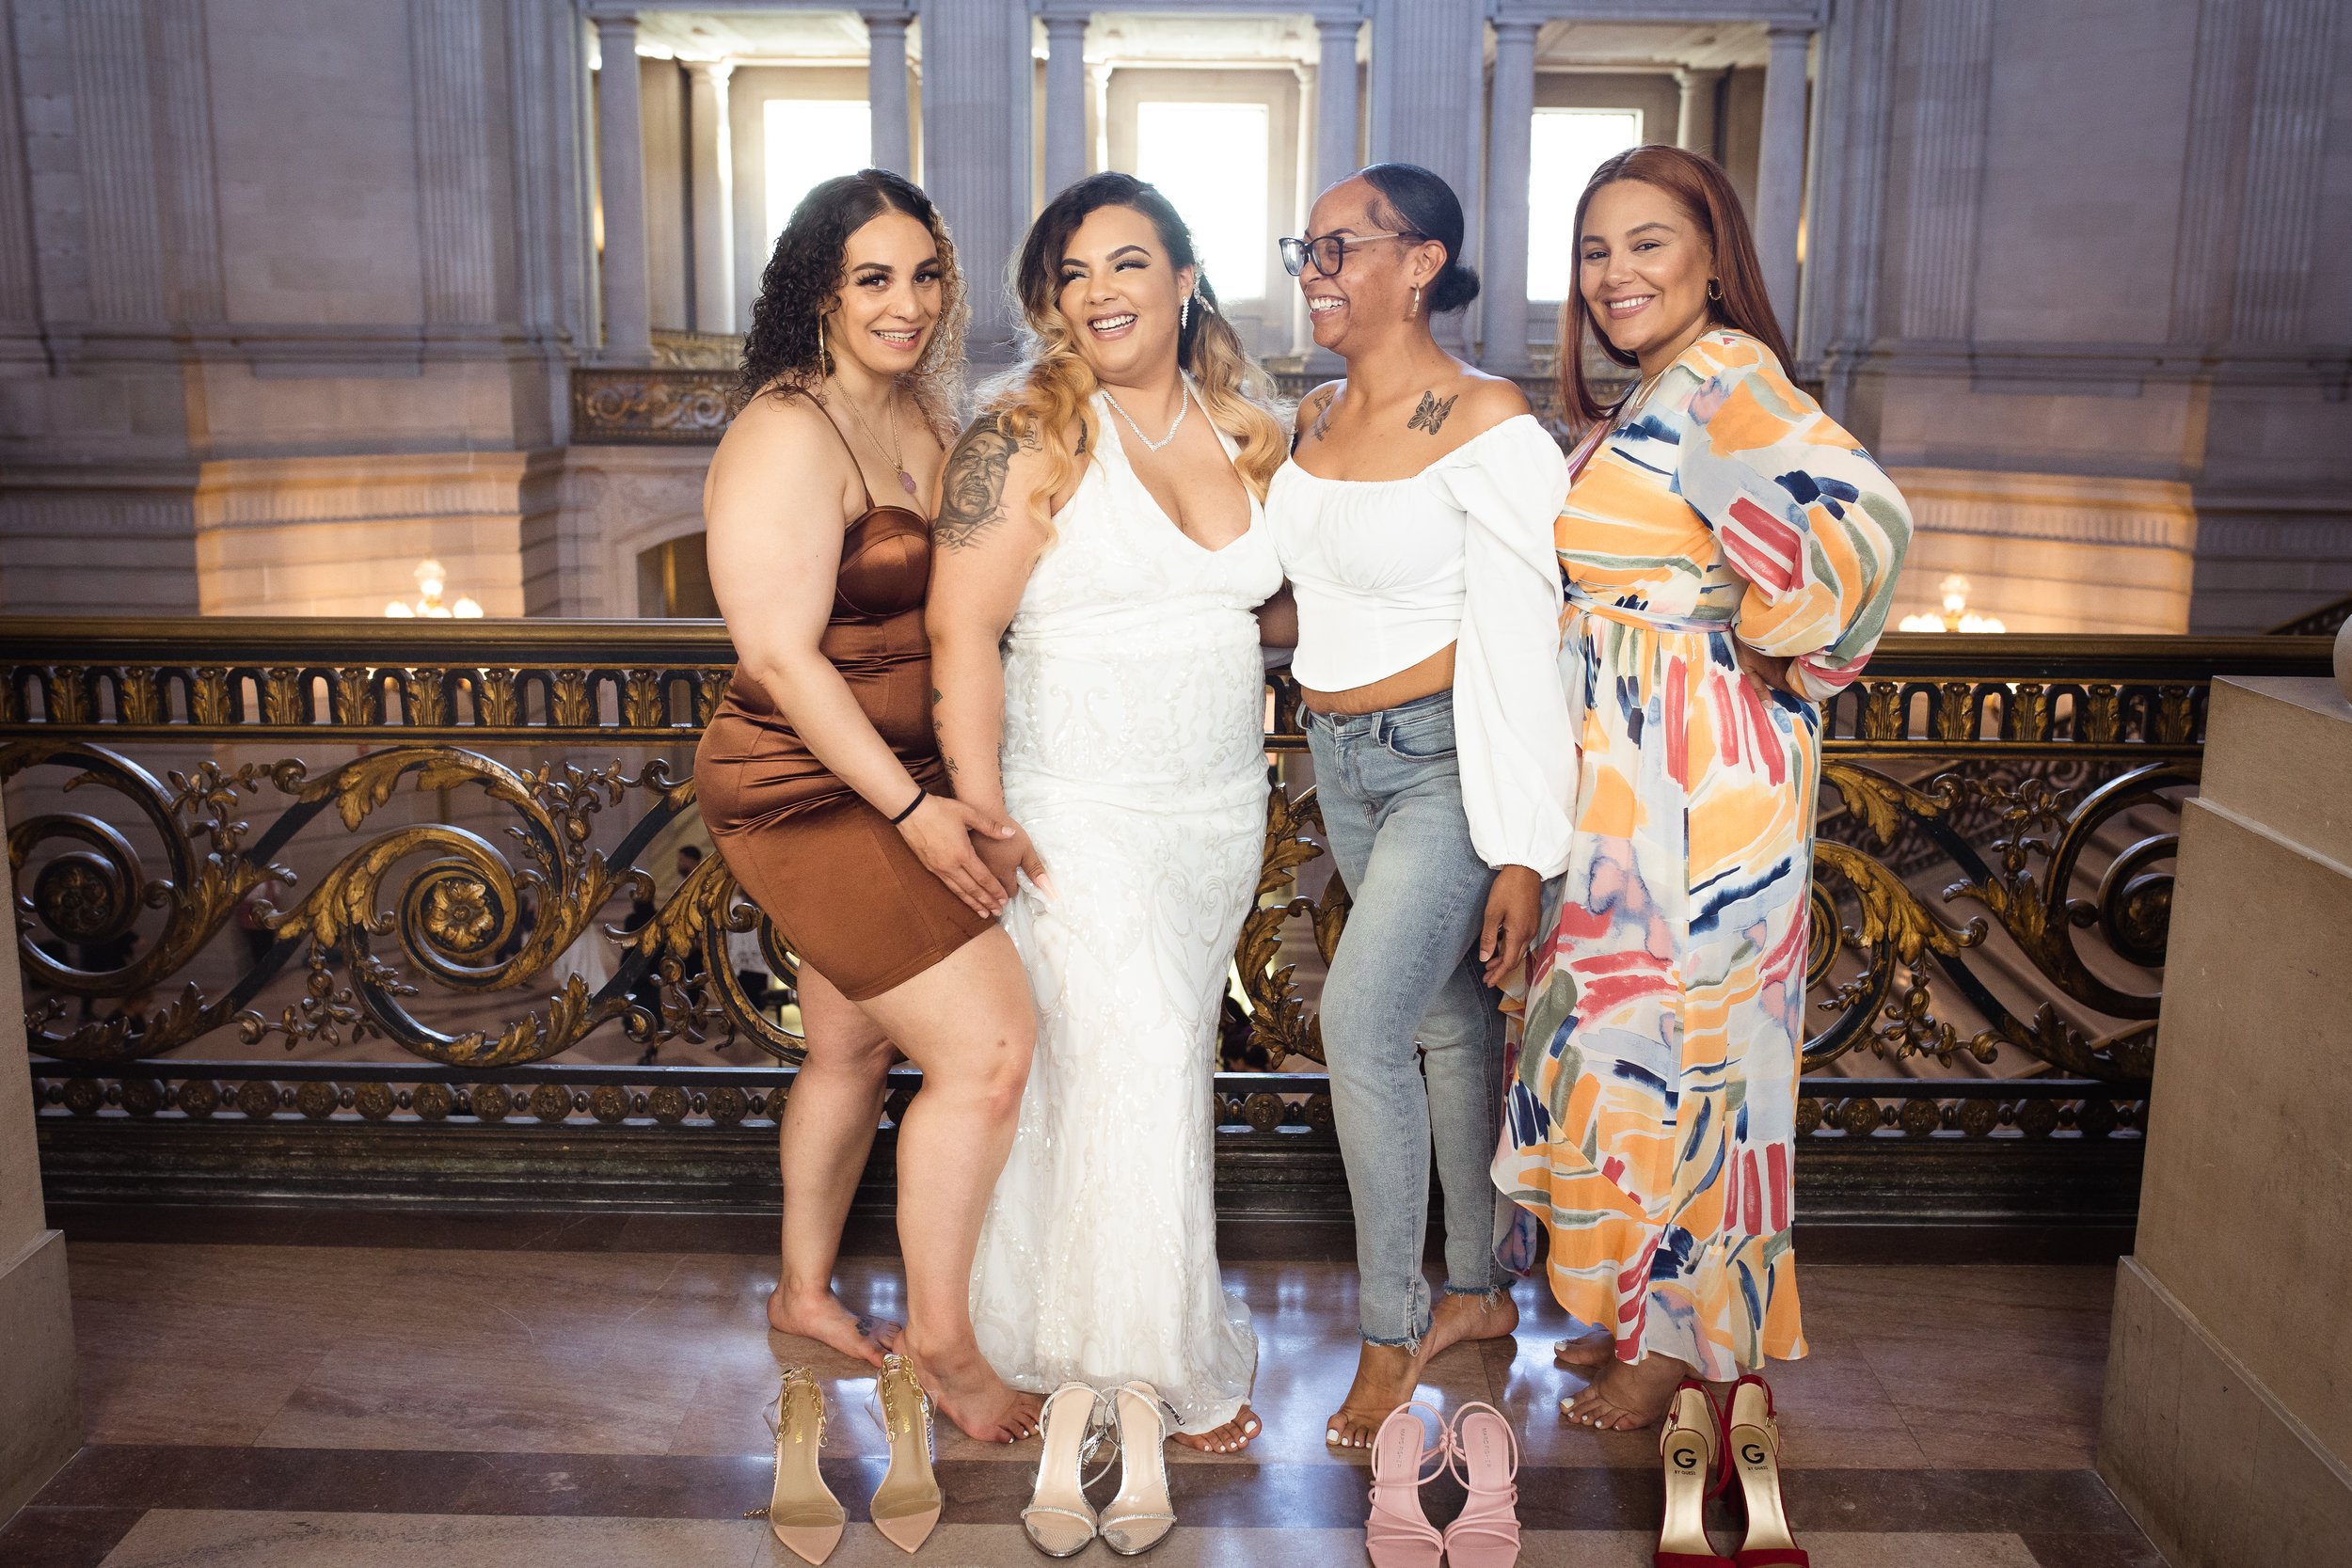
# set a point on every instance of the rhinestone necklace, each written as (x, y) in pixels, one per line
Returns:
(1183, 408)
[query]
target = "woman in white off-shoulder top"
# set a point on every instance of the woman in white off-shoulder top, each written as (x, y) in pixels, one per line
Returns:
(1415, 524)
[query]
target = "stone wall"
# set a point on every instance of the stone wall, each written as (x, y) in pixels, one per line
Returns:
(265, 263)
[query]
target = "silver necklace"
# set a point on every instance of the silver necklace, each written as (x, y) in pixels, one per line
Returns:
(1183, 408)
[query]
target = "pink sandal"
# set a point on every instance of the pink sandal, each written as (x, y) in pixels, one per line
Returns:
(1487, 1533)
(1398, 1534)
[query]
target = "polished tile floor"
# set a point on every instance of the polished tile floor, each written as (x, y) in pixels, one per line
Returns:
(470, 1405)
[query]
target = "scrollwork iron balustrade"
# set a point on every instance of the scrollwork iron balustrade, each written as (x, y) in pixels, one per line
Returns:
(1991, 865)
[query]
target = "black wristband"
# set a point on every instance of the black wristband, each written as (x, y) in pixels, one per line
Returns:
(920, 796)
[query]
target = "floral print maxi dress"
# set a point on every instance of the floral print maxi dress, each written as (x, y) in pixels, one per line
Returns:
(1650, 1115)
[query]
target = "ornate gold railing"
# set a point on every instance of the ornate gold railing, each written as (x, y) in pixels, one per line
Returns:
(320, 835)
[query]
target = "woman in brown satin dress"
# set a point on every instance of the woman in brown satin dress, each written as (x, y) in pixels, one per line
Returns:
(822, 786)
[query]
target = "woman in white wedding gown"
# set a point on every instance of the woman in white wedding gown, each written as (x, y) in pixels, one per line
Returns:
(1095, 627)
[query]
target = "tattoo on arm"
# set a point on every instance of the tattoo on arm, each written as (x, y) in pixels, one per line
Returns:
(1432, 412)
(971, 491)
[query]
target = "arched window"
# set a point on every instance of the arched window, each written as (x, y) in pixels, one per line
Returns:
(673, 579)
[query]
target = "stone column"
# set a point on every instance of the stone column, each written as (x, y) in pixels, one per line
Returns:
(1428, 72)
(713, 165)
(1949, 114)
(1335, 101)
(621, 189)
(456, 176)
(886, 90)
(1694, 119)
(40, 1421)
(1065, 99)
(1510, 137)
(976, 108)
(1780, 169)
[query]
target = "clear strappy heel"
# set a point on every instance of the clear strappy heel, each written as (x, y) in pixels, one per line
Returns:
(1141, 1515)
(1059, 1520)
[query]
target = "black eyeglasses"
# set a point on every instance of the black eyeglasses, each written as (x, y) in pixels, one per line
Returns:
(1329, 251)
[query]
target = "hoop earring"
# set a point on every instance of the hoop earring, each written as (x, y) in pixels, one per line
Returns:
(1416, 308)
(824, 352)
(1714, 290)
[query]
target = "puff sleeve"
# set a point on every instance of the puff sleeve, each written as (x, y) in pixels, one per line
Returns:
(1511, 721)
(1803, 512)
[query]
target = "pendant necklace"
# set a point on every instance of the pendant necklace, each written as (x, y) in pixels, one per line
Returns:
(890, 454)
(1183, 408)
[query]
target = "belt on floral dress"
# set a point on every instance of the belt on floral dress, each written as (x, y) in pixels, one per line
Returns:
(1628, 615)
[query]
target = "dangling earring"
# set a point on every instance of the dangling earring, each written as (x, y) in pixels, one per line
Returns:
(1416, 309)
(1183, 315)
(1714, 290)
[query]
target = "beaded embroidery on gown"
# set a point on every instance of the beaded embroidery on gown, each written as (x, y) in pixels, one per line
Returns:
(1135, 755)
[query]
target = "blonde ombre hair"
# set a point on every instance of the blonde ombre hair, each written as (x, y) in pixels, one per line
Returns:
(1041, 399)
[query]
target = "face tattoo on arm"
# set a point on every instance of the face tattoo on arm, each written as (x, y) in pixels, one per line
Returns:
(971, 494)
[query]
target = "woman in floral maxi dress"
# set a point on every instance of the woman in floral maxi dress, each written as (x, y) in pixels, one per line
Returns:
(1731, 556)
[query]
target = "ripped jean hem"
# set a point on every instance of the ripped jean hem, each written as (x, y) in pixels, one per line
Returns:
(1411, 1342)
(1489, 1293)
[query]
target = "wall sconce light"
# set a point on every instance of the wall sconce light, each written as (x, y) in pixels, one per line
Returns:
(1957, 616)
(430, 581)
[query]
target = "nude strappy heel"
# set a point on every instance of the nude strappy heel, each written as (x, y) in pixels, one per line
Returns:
(1142, 1515)
(1398, 1534)
(1059, 1520)
(906, 1504)
(1486, 1534)
(1751, 1444)
(1692, 1447)
(803, 1512)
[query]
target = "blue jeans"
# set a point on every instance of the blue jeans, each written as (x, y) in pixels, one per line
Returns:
(1407, 969)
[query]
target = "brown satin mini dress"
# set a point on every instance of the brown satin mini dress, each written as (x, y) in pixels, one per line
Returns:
(847, 895)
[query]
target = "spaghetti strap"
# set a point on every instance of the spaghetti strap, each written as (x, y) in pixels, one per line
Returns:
(844, 437)
(839, 434)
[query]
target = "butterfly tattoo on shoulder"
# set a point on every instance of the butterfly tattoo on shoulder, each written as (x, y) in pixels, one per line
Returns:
(1432, 412)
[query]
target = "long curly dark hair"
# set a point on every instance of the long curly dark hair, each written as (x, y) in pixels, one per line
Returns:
(803, 284)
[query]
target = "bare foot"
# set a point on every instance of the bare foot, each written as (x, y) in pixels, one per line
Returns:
(1231, 1437)
(1586, 1354)
(1456, 1319)
(823, 1319)
(968, 1392)
(1626, 1395)
(1385, 1376)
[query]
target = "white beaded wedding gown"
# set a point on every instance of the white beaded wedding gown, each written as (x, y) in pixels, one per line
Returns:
(1133, 755)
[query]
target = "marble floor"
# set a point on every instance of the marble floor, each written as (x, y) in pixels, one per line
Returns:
(474, 1404)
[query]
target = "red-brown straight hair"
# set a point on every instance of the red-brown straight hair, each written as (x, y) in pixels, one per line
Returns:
(1700, 188)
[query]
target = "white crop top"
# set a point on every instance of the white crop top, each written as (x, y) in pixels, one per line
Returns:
(1388, 572)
